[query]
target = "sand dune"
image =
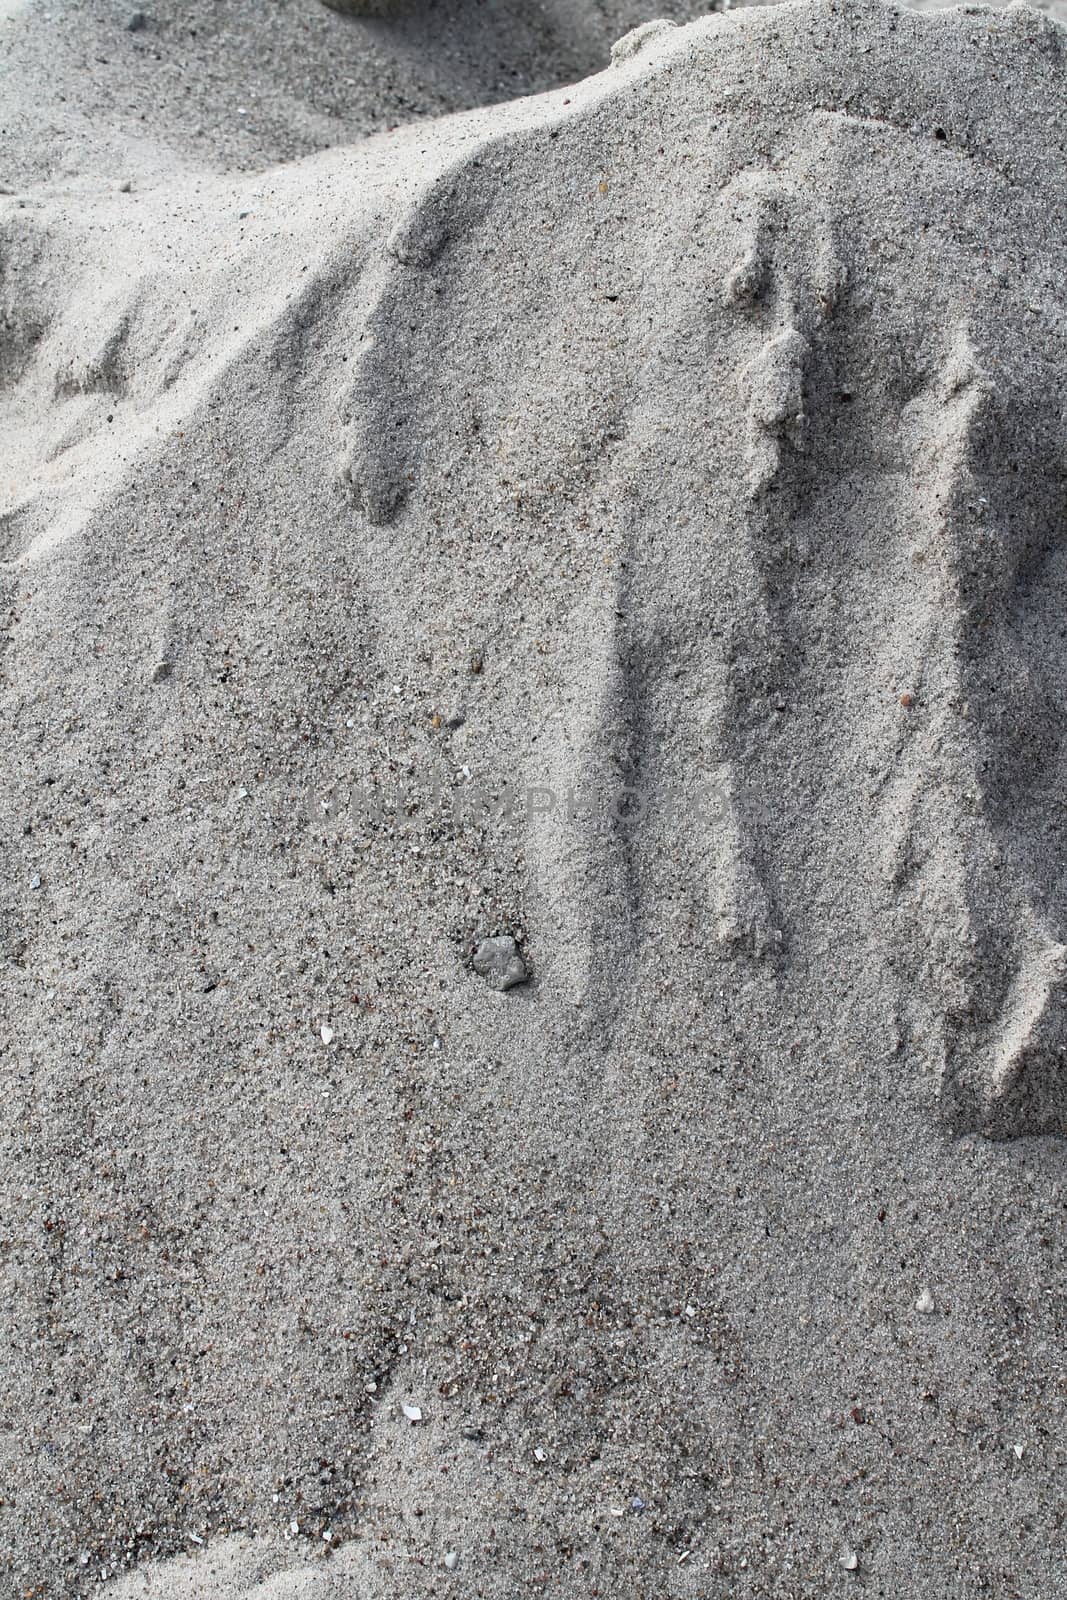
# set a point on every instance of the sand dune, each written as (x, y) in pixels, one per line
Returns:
(99, 88)
(628, 520)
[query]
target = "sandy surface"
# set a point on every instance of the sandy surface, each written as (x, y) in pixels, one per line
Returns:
(689, 445)
(110, 87)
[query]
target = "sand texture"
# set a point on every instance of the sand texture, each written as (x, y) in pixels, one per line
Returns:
(139, 89)
(628, 522)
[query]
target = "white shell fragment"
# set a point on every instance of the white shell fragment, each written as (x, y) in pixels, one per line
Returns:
(925, 1303)
(326, 1034)
(413, 1413)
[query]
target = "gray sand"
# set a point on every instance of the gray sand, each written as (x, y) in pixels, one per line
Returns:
(143, 88)
(695, 434)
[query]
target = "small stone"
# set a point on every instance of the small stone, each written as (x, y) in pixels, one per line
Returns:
(451, 1561)
(1018, 1449)
(413, 1413)
(498, 961)
(35, 881)
(539, 1455)
(137, 22)
(925, 1303)
(326, 1034)
(849, 1560)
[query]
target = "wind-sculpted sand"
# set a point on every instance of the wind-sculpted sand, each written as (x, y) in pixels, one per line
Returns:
(629, 523)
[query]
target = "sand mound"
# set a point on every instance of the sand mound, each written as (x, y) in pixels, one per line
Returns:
(135, 91)
(630, 523)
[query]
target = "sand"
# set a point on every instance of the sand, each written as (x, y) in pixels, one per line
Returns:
(146, 88)
(627, 521)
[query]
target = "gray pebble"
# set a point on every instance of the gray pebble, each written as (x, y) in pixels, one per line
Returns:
(498, 961)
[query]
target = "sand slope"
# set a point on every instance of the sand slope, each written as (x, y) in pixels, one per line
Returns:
(696, 433)
(137, 91)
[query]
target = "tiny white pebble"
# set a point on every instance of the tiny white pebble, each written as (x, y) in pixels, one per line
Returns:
(1018, 1448)
(451, 1561)
(413, 1413)
(539, 1455)
(294, 1527)
(372, 1387)
(849, 1560)
(326, 1034)
(925, 1303)
(328, 1535)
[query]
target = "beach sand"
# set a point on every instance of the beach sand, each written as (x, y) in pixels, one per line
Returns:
(627, 520)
